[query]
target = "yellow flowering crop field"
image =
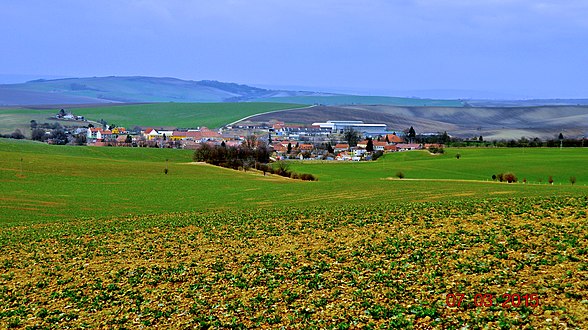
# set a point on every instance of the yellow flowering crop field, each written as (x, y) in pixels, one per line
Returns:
(491, 263)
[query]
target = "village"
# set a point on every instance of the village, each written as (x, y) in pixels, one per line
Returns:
(331, 140)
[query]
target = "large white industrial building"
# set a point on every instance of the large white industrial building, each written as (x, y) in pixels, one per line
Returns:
(358, 125)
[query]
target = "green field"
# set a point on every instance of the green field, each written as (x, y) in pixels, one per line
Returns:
(183, 115)
(11, 119)
(101, 238)
(62, 182)
(187, 115)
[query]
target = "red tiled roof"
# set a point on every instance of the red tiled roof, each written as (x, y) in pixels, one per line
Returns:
(393, 138)
(341, 146)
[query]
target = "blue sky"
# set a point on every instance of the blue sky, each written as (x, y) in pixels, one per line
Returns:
(518, 48)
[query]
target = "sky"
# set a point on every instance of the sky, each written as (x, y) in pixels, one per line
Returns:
(506, 48)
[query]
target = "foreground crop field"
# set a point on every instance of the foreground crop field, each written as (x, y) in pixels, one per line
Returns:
(102, 238)
(379, 266)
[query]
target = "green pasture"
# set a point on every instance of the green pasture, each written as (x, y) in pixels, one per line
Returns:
(11, 119)
(478, 164)
(185, 115)
(66, 183)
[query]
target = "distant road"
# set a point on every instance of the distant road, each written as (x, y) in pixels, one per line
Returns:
(264, 113)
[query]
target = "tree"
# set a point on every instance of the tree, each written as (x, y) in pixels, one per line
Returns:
(330, 148)
(80, 139)
(17, 134)
(411, 134)
(38, 134)
(61, 113)
(251, 142)
(370, 145)
(223, 144)
(481, 139)
(351, 136)
(289, 147)
(444, 138)
(58, 136)
(572, 180)
(33, 124)
(129, 139)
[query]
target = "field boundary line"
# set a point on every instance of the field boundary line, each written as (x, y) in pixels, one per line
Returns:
(268, 112)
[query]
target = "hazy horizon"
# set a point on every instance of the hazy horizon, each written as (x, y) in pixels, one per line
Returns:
(508, 48)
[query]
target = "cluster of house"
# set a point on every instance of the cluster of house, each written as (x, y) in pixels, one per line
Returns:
(63, 115)
(319, 141)
(343, 151)
(150, 137)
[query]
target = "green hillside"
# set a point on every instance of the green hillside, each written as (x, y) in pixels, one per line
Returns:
(478, 164)
(185, 115)
(63, 182)
(125, 89)
(179, 114)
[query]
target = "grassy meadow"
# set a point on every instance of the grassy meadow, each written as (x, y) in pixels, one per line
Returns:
(183, 115)
(179, 114)
(102, 238)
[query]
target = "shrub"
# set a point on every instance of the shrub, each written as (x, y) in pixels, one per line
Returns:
(572, 180)
(494, 177)
(524, 180)
(294, 175)
(505, 177)
(436, 150)
(550, 179)
(377, 154)
(307, 177)
(400, 175)
(509, 177)
(458, 156)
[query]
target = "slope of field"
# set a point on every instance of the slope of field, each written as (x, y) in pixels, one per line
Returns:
(360, 99)
(101, 237)
(479, 164)
(11, 119)
(179, 114)
(61, 182)
(492, 123)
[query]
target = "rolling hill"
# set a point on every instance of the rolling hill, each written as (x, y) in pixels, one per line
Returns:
(494, 123)
(98, 90)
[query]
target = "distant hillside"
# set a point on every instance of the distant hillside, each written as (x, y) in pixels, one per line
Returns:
(125, 90)
(362, 99)
(492, 123)
(148, 90)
